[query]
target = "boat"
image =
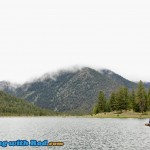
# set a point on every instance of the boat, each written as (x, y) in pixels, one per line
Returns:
(147, 124)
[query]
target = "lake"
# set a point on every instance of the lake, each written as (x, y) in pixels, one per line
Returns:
(77, 133)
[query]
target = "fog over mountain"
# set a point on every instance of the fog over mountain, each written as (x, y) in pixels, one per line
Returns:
(73, 90)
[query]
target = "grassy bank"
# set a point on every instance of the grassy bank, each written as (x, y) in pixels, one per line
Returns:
(124, 114)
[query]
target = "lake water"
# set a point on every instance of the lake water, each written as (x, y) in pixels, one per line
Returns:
(77, 133)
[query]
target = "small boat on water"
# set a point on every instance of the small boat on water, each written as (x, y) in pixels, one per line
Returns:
(147, 124)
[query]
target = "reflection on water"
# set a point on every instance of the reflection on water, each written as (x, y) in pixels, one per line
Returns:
(78, 133)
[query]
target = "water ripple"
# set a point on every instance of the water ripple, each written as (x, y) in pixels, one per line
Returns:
(78, 133)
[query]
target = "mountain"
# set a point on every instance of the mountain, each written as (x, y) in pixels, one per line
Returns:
(70, 91)
(119, 79)
(147, 85)
(10, 105)
(8, 87)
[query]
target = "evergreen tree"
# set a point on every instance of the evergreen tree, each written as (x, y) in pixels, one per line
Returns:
(132, 101)
(107, 106)
(141, 97)
(125, 98)
(101, 101)
(122, 99)
(148, 100)
(119, 99)
(96, 109)
(113, 102)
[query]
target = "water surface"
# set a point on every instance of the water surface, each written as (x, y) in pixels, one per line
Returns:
(78, 133)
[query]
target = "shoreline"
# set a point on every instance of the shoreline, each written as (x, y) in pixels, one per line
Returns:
(125, 114)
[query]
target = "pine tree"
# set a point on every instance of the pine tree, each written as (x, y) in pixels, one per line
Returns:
(141, 97)
(122, 99)
(119, 98)
(107, 106)
(101, 101)
(131, 103)
(113, 102)
(96, 109)
(148, 100)
(125, 98)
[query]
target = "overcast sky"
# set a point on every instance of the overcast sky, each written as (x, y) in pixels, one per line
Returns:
(39, 36)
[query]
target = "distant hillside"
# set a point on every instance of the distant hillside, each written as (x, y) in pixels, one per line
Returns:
(119, 79)
(147, 85)
(71, 91)
(10, 105)
(8, 87)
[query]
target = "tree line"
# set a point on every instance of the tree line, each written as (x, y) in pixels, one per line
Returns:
(137, 100)
(10, 105)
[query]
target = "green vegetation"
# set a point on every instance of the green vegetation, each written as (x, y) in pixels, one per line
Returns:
(69, 92)
(100, 106)
(12, 106)
(124, 114)
(123, 100)
(74, 93)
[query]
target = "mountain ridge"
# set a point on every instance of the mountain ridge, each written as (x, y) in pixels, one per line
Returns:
(73, 91)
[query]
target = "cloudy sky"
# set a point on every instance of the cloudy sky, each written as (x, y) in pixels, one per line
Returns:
(39, 36)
